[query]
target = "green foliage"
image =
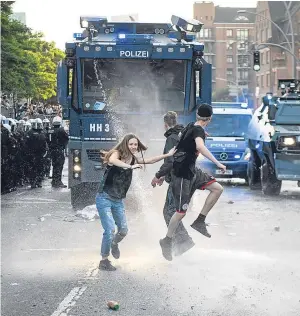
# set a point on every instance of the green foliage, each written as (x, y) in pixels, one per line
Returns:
(28, 62)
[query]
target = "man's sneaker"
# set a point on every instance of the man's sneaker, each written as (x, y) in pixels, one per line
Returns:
(105, 265)
(181, 247)
(166, 247)
(115, 251)
(201, 228)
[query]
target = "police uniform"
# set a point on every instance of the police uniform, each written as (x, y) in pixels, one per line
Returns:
(58, 142)
(36, 149)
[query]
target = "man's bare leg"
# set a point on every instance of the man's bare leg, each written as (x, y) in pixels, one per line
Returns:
(215, 192)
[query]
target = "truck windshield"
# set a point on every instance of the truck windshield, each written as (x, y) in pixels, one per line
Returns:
(234, 125)
(123, 85)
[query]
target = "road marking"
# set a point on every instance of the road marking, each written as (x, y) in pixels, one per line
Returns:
(92, 272)
(69, 301)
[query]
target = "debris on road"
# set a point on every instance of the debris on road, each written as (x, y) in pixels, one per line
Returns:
(230, 202)
(113, 305)
(90, 213)
(277, 228)
(41, 219)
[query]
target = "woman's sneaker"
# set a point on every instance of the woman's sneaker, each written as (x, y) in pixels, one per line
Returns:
(105, 265)
(115, 251)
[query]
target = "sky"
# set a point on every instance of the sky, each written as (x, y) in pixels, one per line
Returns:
(59, 19)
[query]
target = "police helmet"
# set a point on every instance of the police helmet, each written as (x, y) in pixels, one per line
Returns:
(27, 126)
(11, 122)
(46, 123)
(57, 120)
(8, 127)
(39, 123)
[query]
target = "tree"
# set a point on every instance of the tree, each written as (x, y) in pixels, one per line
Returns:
(28, 62)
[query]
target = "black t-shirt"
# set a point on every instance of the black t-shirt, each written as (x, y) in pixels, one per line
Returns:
(116, 181)
(184, 166)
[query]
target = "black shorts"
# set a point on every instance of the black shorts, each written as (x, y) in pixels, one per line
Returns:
(184, 189)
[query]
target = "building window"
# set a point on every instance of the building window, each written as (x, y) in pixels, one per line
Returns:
(229, 33)
(262, 58)
(209, 59)
(205, 33)
(229, 74)
(206, 17)
(230, 59)
(243, 75)
(262, 37)
(242, 34)
(262, 81)
(268, 80)
(268, 57)
(243, 61)
(257, 81)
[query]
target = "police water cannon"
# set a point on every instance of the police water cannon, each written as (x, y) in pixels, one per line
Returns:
(119, 67)
(185, 26)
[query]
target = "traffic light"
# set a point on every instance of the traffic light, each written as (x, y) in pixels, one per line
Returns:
(256, 60)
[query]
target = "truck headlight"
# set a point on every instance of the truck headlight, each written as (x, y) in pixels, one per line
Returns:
(289, 141)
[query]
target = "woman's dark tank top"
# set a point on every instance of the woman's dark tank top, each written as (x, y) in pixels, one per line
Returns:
(116, 181)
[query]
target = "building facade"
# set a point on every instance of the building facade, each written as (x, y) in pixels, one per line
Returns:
(276, 62)
(228, 37)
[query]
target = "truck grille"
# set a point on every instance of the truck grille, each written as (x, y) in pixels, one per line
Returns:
(94, 155)
(228, 156)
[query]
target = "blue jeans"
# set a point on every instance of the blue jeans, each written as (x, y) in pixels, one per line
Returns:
(112, 213)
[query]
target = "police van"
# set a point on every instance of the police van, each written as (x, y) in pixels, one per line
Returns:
(227, 140)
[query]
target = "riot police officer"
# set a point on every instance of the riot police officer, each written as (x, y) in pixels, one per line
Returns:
(59, 140)
(37, 149)
(47, 159)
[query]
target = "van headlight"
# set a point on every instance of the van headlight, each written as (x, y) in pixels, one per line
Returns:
(247, 154)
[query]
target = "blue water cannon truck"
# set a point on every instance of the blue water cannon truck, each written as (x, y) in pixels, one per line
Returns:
(122, 77)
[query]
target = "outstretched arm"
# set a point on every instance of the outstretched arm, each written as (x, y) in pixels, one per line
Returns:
(156, 158)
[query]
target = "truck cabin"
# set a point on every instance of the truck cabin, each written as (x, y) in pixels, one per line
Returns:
(134, 68)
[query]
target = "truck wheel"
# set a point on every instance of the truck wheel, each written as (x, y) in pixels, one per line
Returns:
(83, 195)
(270, 184)
(253, 173)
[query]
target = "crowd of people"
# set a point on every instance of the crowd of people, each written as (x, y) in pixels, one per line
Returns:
(24, 110)
(28, 149)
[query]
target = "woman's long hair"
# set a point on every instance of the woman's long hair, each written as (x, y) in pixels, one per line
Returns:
(122, 148)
